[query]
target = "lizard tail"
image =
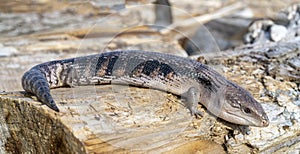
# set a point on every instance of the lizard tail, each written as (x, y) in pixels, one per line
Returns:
(35, 82)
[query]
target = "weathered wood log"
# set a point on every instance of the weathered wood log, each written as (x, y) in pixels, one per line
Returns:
(103, 119)
(112, 118)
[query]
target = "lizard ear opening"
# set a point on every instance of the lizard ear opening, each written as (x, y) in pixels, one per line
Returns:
(235, 103)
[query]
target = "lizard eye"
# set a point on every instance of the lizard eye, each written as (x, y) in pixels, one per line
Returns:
(247, 110)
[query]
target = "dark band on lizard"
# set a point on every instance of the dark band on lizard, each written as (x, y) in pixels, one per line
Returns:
(181, 76)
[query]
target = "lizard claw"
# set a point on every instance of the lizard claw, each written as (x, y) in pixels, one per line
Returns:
(198, 114)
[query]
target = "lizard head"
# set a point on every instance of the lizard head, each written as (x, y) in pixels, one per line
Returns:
(238, 106)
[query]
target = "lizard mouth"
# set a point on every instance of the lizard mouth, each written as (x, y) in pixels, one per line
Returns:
(249, 120)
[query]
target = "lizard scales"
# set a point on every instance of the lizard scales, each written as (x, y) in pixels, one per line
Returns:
(181, 76)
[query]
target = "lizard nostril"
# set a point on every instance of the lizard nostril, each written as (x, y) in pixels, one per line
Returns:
(265, 123)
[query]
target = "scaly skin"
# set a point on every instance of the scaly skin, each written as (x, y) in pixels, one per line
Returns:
(181, 76)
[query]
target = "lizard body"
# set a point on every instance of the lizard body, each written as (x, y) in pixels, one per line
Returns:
(181, 76)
